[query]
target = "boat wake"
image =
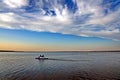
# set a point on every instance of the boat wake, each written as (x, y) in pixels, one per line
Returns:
(65, 59)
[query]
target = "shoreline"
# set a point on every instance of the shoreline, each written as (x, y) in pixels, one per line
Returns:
(57, 51)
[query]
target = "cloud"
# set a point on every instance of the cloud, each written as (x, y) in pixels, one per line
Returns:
(15, 3)
(77, 17)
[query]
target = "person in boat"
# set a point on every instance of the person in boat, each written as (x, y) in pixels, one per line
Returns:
(41, 56)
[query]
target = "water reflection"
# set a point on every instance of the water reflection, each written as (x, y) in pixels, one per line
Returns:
(60, 66)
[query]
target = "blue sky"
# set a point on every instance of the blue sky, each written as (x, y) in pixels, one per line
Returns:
(62, 24)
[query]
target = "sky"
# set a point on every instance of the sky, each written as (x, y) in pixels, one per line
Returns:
(59, 25)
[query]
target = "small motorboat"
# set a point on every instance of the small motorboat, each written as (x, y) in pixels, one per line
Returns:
(41, 57)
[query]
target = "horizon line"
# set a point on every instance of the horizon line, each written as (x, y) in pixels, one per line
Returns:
(62, 51)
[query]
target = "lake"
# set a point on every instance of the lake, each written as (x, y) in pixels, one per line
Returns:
(64, 66)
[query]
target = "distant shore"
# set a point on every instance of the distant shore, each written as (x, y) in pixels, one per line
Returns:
(58, 51)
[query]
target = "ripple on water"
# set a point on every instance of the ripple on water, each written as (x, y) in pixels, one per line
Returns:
(92, 66)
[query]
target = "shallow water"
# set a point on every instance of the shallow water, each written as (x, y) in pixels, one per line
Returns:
(61, 66)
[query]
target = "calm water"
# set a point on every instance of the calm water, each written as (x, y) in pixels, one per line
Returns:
(67, 66)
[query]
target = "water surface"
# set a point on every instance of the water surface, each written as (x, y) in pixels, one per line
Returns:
(64, 66)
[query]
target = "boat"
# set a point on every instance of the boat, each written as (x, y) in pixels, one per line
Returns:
(41, 57)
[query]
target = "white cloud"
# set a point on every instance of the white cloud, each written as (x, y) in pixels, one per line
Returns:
(105, 19)
(88, 20)
(15, 3)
